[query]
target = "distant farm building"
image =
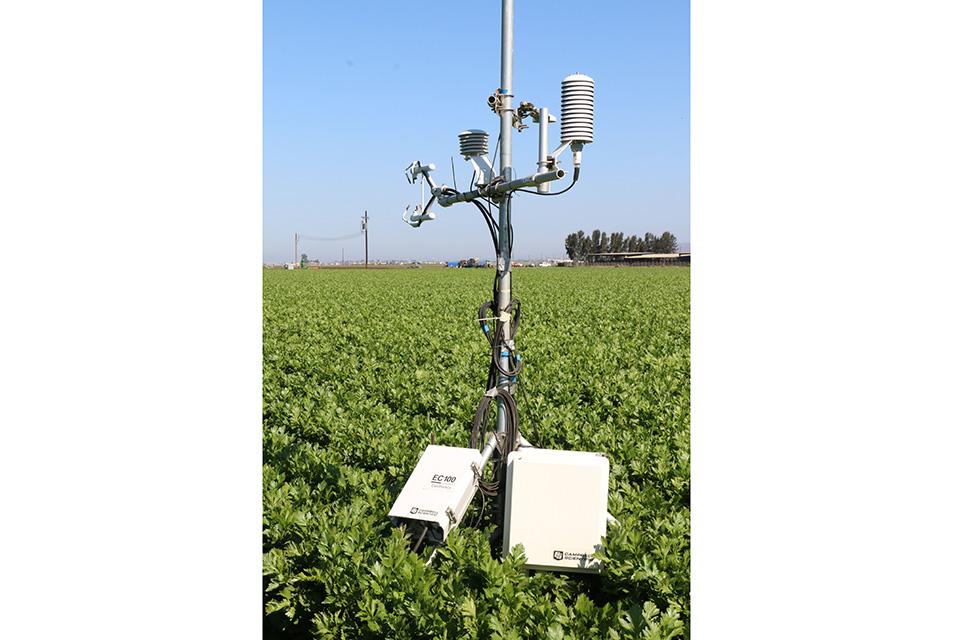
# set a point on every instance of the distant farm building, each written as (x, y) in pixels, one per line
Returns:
(643, 259)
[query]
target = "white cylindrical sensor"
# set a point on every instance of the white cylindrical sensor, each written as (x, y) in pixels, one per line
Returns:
(473, 142)
(576, 108)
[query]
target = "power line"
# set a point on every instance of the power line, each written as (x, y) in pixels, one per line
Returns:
(333, 239)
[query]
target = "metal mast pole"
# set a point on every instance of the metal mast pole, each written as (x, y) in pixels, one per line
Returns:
(506, 170)
(296, 247)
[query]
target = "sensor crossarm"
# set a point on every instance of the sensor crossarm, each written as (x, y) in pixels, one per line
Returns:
(500, 188)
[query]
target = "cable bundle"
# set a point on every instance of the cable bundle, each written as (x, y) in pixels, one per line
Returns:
(497, 341)
(507, 441)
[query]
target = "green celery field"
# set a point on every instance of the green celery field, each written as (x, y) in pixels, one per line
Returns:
(362, 368)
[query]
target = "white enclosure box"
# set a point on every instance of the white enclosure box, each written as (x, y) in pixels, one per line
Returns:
(438, 491)
(556, 507)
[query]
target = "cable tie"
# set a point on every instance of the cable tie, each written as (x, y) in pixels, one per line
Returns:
(491, 393)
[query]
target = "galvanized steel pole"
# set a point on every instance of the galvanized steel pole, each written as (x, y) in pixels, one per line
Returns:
(505, 95)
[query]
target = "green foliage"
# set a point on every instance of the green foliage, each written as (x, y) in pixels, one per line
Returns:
(579, 246)
(362, 368)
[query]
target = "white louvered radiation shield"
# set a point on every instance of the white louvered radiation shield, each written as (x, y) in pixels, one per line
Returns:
(576, 108)
(473, 142)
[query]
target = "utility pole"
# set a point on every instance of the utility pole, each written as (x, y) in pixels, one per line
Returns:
(296, 247)
(366, 245)
(341, 257)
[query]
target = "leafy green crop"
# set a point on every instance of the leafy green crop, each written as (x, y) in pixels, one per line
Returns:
(362, 368)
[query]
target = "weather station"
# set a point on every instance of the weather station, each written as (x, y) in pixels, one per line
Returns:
(552, 502)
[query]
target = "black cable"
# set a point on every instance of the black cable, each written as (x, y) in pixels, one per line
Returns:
(489, 216)
(490, 224)
(416, 545)
(430, 203)
(491, 205)
(483, 506)
(510, 226)
(490, 213)
(497, 341)
(514, 308)
(576, 176)
(526, 404)
(508, 441)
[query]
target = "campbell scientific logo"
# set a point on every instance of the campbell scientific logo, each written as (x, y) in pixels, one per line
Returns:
(567, 555)
(558, 555)
(423, 512)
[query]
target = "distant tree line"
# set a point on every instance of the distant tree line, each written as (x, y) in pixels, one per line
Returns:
(579, 245)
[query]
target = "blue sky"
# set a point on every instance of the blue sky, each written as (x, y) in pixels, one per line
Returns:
(354, 91)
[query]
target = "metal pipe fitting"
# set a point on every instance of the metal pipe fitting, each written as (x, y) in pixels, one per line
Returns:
(487, 452)
(544, 148)
(529, 181)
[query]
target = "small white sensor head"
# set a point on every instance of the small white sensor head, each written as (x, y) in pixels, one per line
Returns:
(473, 142)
